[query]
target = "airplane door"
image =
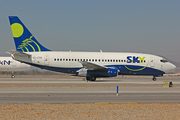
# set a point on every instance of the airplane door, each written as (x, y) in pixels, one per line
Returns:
(46, 60)
(152, 62)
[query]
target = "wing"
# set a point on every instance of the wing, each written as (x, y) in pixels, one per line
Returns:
(92, 66)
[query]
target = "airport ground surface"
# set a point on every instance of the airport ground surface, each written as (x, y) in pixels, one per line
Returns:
(59, 97)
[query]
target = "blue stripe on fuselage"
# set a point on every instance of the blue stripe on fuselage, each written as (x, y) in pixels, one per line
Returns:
(145, 71)
(123, 70)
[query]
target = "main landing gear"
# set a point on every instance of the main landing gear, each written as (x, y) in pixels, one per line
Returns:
(91, 78)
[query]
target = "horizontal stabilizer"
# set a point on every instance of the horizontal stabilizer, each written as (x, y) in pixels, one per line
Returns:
(20, 54)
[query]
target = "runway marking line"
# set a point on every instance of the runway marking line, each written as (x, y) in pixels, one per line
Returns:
(102, 103)
(116, 103)
(123, 102)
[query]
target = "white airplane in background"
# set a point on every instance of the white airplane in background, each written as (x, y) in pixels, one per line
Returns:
(91, 65)
(8, 64)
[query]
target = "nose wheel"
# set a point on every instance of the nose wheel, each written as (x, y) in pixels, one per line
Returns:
(154, 78)
(12, 75)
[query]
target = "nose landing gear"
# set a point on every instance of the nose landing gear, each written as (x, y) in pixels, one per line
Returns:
(154, 78)
(12, 75)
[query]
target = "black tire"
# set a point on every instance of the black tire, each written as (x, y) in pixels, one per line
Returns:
(154, 79)
(12, 76)
(91, 78)
(88, 78)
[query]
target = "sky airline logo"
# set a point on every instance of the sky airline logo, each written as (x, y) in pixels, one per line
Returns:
(4, 62)
(135, 59)
(28, 42)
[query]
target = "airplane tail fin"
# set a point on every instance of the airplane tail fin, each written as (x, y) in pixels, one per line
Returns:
(23, 39)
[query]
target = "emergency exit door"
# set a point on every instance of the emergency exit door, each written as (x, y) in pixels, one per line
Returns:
(46, 60)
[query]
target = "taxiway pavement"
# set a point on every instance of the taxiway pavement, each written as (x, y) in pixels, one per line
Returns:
(24, 90)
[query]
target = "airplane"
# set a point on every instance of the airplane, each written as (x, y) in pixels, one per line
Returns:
(8, 64)
(91, 65)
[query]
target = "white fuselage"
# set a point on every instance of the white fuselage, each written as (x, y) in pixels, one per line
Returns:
(8, 64)
(126, 63)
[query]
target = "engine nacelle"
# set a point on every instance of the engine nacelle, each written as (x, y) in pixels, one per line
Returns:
(112, 72)
(82, 73)
(98, 73)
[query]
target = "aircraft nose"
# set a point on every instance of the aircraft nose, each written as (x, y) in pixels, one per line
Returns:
(169, 67)
(172, 66)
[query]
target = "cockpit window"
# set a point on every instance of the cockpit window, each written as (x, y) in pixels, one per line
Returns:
(164, 60)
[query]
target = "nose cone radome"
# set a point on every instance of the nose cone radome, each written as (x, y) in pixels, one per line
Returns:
(173, 67)
(170, 67)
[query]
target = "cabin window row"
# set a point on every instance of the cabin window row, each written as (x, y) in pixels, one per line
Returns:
(98, 60)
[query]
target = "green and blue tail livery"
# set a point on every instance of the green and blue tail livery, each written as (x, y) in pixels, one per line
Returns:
(23, 39)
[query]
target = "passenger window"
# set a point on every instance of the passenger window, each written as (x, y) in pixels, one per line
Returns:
(55, 59)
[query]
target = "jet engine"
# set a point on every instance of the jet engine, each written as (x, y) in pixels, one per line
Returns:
(110, 72)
